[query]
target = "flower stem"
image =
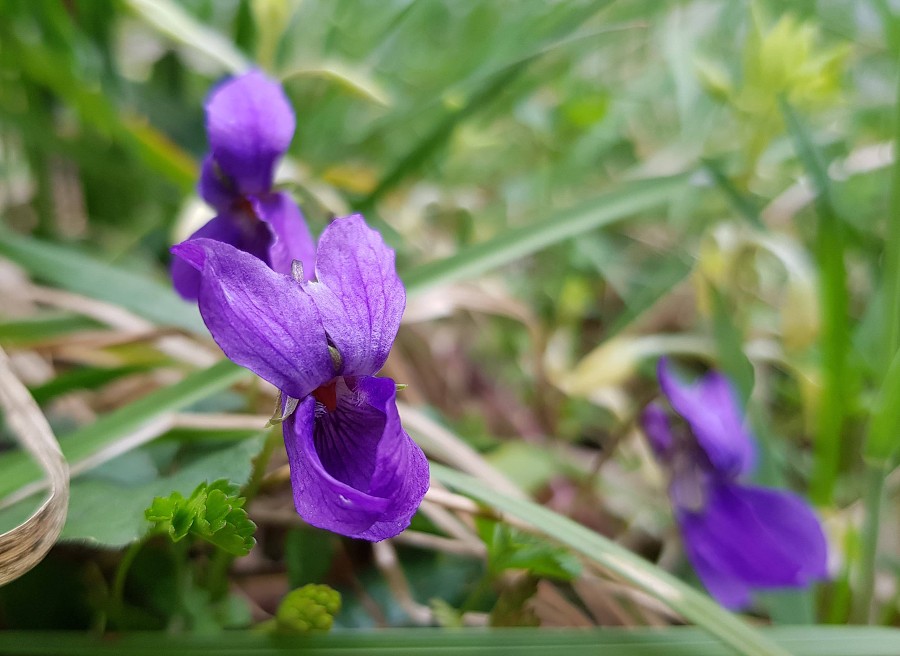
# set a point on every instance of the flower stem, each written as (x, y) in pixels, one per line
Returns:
(261, 463)
(118, 589)
(864, 606)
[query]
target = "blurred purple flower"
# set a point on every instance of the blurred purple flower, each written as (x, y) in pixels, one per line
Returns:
(250, 125)
(738, 537)
(354, 470)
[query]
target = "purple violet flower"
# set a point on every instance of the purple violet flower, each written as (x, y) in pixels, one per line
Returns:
(738, 537)
(250, 125)
(354, 470)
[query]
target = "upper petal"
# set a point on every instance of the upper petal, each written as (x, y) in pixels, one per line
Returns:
(711, 408)
(250, 124)
(292, 238)
(263, 320)
(751, 537)
(215, 187)
(250, 236)
(359, 295)
(354, 470)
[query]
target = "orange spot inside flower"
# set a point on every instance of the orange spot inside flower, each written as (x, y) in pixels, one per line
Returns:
(327, 395)
(246, 207)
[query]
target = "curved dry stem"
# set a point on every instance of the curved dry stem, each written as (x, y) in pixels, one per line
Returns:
(26, 545)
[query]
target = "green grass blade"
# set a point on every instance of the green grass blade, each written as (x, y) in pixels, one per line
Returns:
(884, 429)
(355, 82)
(883, 439)
(34, 330)
(173, 21)
(516, 243)
(835, 343)
(739, 201)
(18, 469)
(671, 641)
(80, 273)
(80, 379)
(440, 134)
(891, 280)
(729, 340)
(480, 99)
(693, 605)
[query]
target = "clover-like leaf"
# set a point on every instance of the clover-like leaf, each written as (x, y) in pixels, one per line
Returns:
(214, 512)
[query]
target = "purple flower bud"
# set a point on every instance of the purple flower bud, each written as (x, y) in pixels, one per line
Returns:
(250, 125)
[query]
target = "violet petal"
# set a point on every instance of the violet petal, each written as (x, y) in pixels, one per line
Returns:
(292, 238)
(263, 320)
(711, 408)
(354, 470)
(359, 295)
(751, 537)
(215, 187)
(250, 124)
(243, 233)
(655, 422)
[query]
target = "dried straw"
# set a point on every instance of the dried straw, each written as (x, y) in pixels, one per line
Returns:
(26, 545)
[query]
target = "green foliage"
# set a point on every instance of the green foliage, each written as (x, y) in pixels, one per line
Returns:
(512, 607)
(573, 167)
(510, 549)
(310, 609)
(214, 512)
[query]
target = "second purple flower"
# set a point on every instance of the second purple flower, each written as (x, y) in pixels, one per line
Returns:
(250, 125)
(738, 537)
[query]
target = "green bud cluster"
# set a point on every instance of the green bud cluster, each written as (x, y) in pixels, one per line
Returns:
(310, 609)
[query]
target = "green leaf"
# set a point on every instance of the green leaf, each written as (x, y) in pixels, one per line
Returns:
(110, 512)
(516, 243)
(669, 641)
(40, 328)
(836, 385)
(214, 512)
(509, 548)
(743, 204)
(511, 608)
(107, 430)
(485, 92)
(353, 81)
(173, 21)
(883, 441)
(730, 346)
(80, 273)
(82, 378)
(618, 560)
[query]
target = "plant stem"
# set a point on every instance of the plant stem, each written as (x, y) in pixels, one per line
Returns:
(118, 589)
(864, 607)
(261, 463)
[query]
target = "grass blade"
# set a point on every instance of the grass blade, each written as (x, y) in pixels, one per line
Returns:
(517, 243)
(18, 470)
(693, 605)
(671, 641)
(835, 316)
(24, 546)
(173, 21)
(488, 90)
(78, 272)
